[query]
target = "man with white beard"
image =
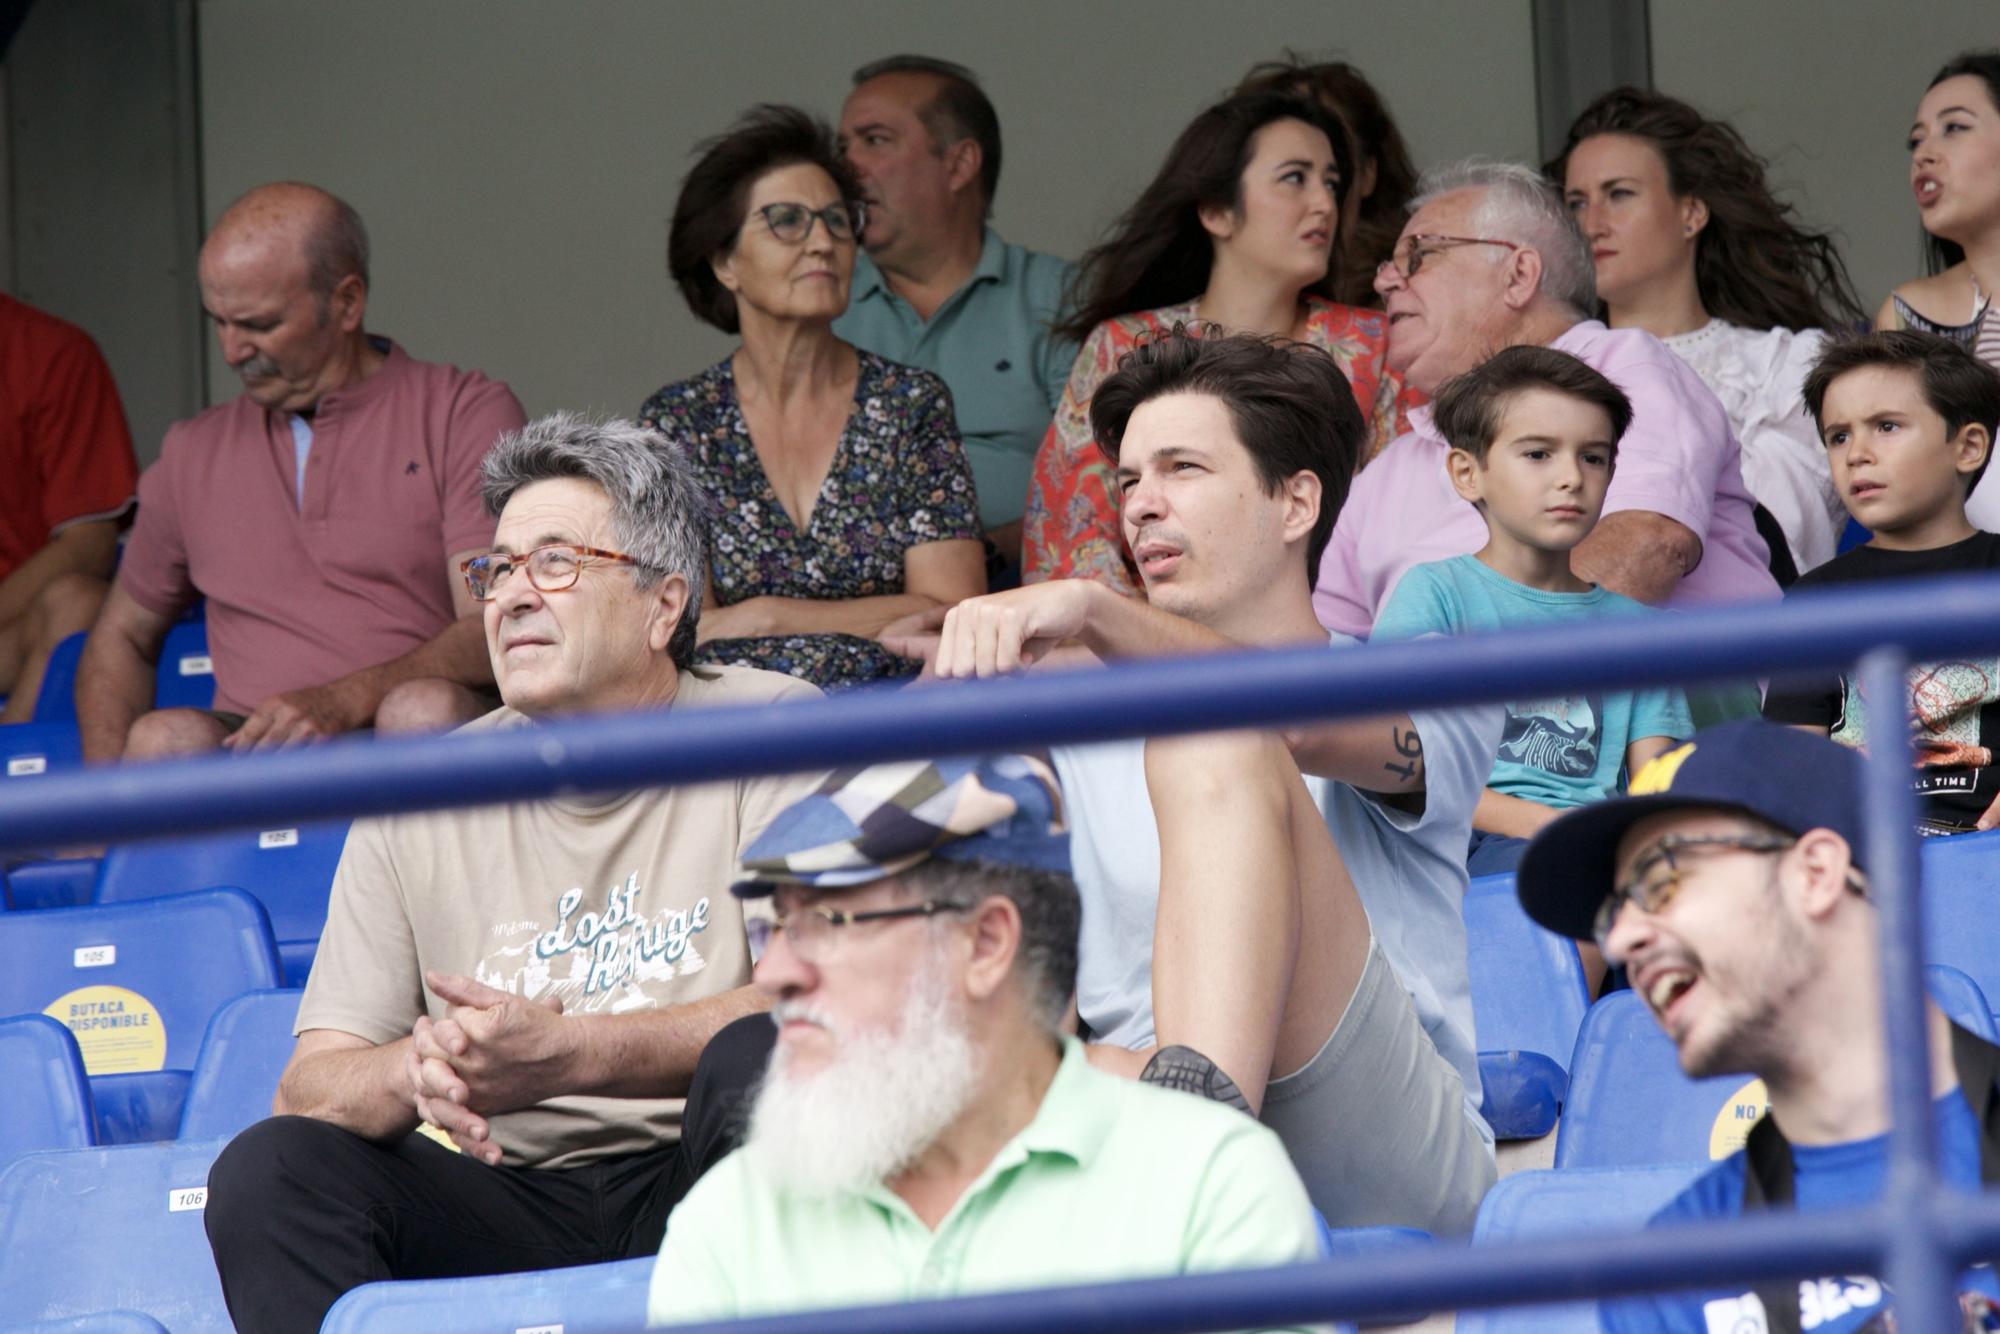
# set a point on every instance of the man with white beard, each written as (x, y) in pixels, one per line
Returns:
(926, 1128)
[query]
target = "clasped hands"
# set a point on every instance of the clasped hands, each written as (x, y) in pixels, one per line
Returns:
(492, 1052)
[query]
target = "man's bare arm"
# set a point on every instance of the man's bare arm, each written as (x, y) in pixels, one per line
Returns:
(1004, 632)
(1638, 553)
(350, 1082)
(114, 678)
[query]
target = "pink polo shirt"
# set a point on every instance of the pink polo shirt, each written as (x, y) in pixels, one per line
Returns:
(1679, 458)
(299, 598)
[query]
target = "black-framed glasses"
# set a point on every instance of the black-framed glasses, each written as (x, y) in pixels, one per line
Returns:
(1653, 888)
(551, 568)
(792, 223)
(810, 930)
(1423, 246)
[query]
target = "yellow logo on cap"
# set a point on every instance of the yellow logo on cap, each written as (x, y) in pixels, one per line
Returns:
(1658, 775)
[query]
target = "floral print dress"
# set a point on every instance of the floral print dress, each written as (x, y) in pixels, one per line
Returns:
(899, 479)
(1072, 526)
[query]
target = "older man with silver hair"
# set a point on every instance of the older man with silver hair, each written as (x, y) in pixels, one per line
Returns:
(1492, 259)
(532, 984)
(926, 1128)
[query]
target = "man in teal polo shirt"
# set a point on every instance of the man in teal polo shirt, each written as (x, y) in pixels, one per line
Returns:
(925, 1128)
(938, 288)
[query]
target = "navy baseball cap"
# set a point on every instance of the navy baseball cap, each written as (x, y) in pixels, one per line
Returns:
(864, 824)
(1780, 775)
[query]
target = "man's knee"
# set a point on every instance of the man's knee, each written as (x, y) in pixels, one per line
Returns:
(166, 732)
(428, 704)
(67, 606)
(257, 1171)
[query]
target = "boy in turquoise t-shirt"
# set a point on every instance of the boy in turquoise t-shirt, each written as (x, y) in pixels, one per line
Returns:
(1534, 435)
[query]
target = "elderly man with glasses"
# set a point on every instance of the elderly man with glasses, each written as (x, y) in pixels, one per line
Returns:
(1731, 884)
(1491, 259)
(530, 985)
(926, 1128)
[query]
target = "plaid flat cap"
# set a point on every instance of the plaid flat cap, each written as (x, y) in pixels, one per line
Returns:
(864, 824)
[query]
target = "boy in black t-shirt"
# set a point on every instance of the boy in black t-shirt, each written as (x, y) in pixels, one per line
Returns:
(1908, 420)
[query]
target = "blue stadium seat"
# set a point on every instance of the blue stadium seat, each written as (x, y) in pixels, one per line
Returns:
(589, 1299)
(56, 701)
(242, 1055)
(1631, 1106)
(29, 750)
(1961, 890)
(49, 882)
(101, 1322)
(94, 1230)
(137, 983)
(185, 678)
(44, 1094)
(289, 871)
(1528, 1000)
(1532, 1206)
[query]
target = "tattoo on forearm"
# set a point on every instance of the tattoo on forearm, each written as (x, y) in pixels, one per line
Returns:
(1410, 745)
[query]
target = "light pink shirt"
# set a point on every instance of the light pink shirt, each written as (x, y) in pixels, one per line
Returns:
(358, 578)
(1679, 458)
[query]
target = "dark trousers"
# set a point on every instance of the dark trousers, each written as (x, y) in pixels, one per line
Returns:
(299, 1210)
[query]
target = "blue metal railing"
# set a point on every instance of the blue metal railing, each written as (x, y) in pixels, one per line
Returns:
(1917, 1237)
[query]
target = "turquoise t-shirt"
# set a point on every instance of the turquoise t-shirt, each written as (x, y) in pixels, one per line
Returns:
(1561, 751)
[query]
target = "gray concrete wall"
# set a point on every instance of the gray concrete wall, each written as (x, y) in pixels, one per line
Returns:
(1826, 90)
(100, 155)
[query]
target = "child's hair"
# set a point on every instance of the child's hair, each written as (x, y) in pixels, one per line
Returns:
(1957, 385)
(1469, 407)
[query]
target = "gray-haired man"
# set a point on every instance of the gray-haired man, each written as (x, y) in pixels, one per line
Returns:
(535, 981)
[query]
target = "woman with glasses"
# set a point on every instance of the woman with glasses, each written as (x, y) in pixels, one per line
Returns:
(842, 496)
(1690, 244)
(1236, 231)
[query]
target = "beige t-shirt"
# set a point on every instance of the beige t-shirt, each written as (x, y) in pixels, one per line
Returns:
(614, 905)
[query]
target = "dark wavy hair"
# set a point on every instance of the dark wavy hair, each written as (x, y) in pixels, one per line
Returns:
(1940, 254)
(709, 214)
(1158, 253)
(1370, 224)
(1754, 264)
(1290, 403)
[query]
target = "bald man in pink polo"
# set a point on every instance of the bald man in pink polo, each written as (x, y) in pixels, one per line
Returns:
(321, 514)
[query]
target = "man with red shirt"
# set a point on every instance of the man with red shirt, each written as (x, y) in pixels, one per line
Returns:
(322, 514)
(66, 455)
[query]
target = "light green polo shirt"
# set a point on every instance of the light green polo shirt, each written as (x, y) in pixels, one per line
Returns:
(1112, 1179)
(990, 344)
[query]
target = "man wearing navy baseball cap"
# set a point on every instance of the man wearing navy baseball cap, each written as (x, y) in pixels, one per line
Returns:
(1732, 886)
(925, 1127)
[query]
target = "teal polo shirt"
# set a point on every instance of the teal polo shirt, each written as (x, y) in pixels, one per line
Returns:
(1112, 1179)
(990, 344)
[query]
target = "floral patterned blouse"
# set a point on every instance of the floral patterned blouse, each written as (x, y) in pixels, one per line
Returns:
(899, 478)
(1072, 524)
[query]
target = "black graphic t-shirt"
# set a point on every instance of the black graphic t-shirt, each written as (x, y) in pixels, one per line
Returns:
(1954, 707)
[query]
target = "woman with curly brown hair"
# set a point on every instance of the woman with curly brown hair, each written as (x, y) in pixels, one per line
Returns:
(1691, 245)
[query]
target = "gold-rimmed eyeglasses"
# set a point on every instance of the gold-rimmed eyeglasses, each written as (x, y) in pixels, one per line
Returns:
(809, 931)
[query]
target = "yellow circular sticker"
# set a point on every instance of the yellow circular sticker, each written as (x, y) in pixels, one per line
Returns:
(119, 1031)
(1733, 1122)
